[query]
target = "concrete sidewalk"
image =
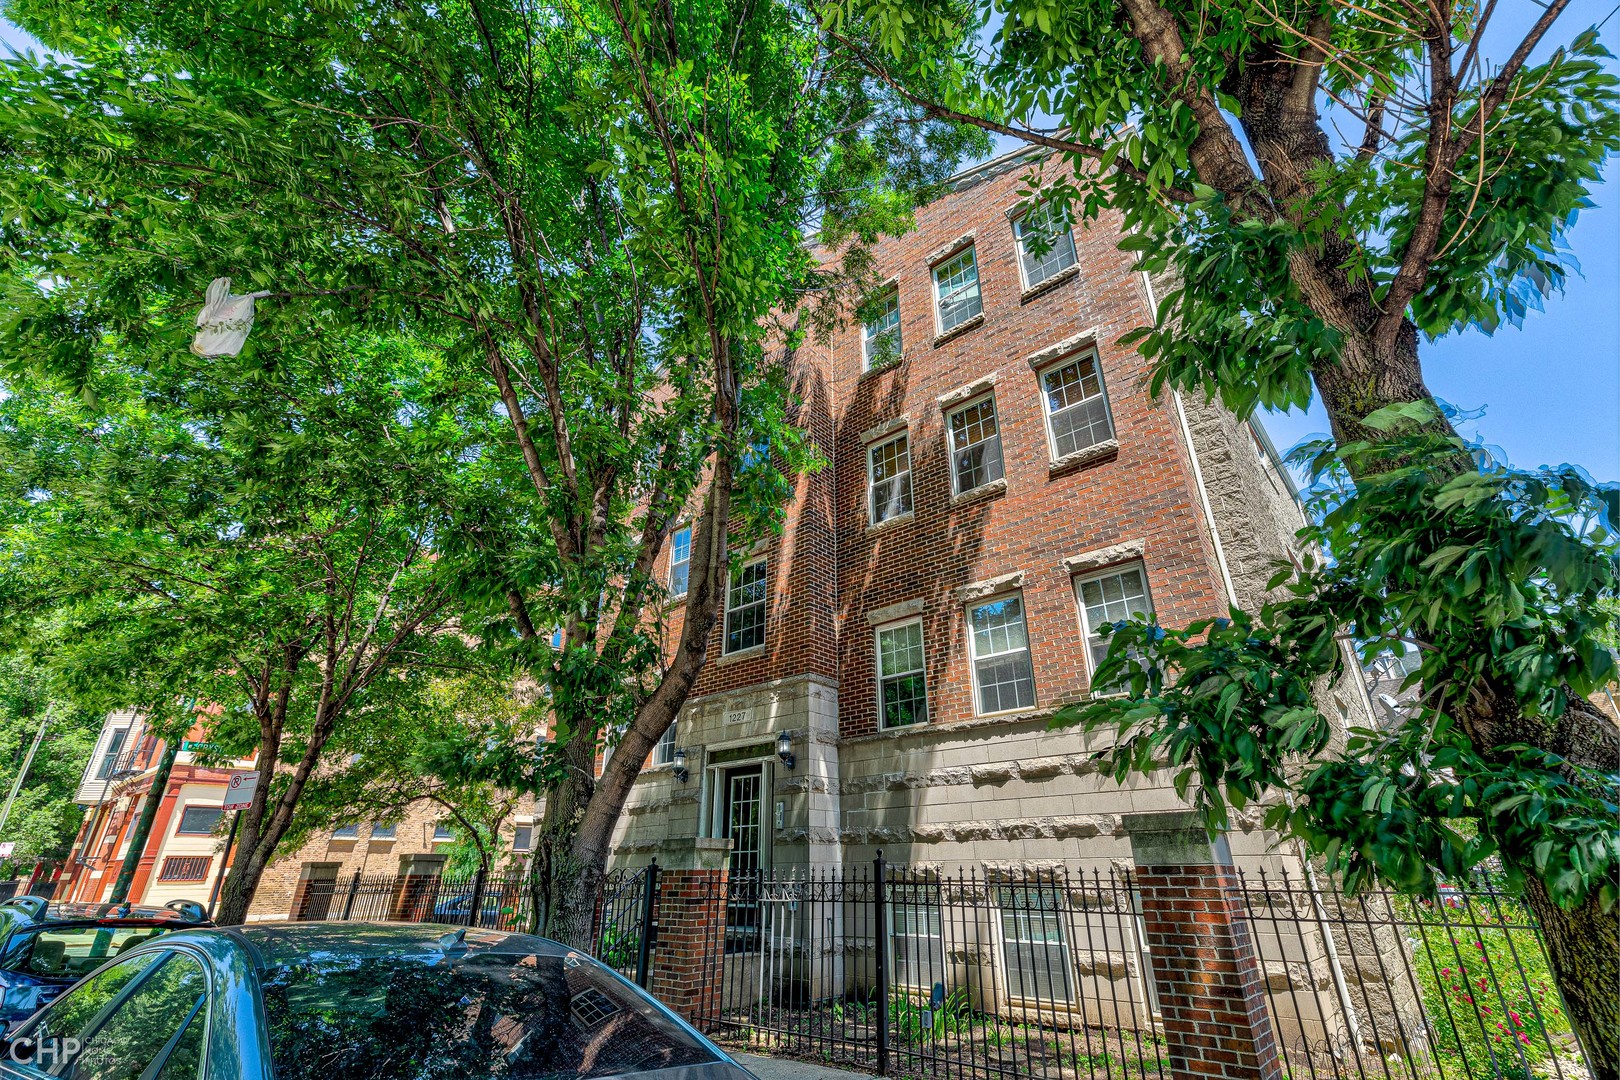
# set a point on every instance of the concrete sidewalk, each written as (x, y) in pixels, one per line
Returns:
(767, 1068)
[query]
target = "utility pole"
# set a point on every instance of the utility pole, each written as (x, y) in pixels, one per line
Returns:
(143, 826)
(22, 774)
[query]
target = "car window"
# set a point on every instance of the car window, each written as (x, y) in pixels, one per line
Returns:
(70, 1017)
(71, 952)
(141, 1029)
(132, 1018)
(511, 1015)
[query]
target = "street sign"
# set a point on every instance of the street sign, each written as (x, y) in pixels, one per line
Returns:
(239, 796)
(6, 848)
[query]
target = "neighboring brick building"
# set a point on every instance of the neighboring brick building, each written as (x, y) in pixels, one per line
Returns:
(999, 484)
(183, 854)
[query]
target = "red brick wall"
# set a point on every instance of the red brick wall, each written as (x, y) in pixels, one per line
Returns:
(1211, 994)
(1143, 492)
(691, 934)
(827, 572)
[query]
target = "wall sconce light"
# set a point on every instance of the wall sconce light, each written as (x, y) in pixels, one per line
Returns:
(784, 748)
(680, 765)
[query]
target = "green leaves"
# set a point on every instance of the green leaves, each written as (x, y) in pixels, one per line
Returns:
(1502, 578)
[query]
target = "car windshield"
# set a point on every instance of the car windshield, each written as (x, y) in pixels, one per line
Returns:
(71, 952)
(487, 1013)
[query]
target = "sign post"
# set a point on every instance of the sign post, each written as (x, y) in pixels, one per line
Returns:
(238, 797)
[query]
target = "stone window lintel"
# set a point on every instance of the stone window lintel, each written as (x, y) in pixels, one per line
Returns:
(979, 590)
(952, 398)
(1057, 351)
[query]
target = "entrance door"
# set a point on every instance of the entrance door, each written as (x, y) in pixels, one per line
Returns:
(740, 823)
(742, 819)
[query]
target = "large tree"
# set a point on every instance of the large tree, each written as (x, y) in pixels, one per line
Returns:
(43, 817)
(245, 545)
(591, 210)
(1317, 187)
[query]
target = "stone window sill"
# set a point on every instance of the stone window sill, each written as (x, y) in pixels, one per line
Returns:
(994, 489)
(742, 654)
(959, 329)
(1068, 273)
(887, 365)
(1069, 462)
(888, 523)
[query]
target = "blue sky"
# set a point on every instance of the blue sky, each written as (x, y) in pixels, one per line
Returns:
(1549, 390)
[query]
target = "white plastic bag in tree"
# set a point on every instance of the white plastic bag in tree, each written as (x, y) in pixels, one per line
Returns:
(224, 322)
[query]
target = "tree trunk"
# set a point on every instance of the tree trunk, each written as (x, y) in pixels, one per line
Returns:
(1584, 946)
(563, 885)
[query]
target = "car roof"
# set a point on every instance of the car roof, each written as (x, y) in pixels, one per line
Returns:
(113, 913)
(280, 944)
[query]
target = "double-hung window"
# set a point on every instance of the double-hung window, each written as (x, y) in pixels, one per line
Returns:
(680, 560)
(664, 750)
(956, 289)
(1002, 672)
(916, 934)
(1110, 597)
(888, 473)
(881, 338)
(745, 607)
(902, 686)
(975, 445)
(115, 744)
(1045, 244)
(1076, 407)
(1033, 947)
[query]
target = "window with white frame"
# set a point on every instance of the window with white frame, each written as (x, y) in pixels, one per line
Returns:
(115, 745)
(523, 838)
(442, 832)
(956, 289)
(1002, 672)
(888, 479)
(880, 341)
(346, 832)
(916, 934)
(1034, 952)
(664, 751)
(383, 832)
(680, 560)
(975, 445)
(1076, 407)
(745, 607)
(1110, 597)
(1045, 243)
(902, 686)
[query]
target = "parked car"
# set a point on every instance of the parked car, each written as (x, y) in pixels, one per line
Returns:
(456, 907)
(357, 1001)
(46, 948)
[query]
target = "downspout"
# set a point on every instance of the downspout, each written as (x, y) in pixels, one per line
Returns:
(1339, 984)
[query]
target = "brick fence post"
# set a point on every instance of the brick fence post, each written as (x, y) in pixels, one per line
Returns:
(690, 914)
(1210, 986)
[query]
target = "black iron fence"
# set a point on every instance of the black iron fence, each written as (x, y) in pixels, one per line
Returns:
(501, 902)
(912, 972)
(1384, 986)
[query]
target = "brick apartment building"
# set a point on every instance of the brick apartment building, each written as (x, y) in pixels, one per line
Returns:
(999, 485)
(184, 855)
